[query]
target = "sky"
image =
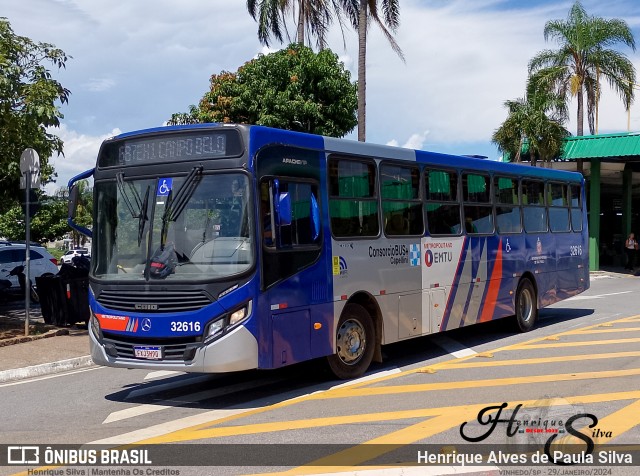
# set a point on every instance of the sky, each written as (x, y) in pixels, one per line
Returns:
(135, 62)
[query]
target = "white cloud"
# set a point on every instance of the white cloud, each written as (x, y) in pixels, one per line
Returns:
(80, 154)
(99, 84)
(415, 141)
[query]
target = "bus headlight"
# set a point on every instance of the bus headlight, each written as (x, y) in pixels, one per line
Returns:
(240, 315)
(215, 328)
(218, 327)
(95, 326)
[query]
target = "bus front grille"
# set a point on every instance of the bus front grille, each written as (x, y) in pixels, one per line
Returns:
(153, 301)
(177, 350)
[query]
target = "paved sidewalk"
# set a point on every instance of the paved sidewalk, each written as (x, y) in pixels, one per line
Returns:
(46, 350)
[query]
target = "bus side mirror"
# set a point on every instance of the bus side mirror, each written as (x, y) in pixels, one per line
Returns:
(72, 206)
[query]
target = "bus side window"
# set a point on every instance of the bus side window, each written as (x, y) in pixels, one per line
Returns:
(297, 229)
(441, 202)
(353, 202)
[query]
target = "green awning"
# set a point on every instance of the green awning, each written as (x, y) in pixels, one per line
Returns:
(602, 146)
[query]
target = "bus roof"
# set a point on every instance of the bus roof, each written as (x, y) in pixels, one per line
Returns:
(353, 147)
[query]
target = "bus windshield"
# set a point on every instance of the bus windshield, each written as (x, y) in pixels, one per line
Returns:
(186, 228)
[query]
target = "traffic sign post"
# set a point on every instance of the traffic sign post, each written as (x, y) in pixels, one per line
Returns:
(30, 170)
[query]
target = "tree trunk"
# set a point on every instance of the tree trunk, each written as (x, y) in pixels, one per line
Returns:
(300, 32)
(362, 70)
(580, 129)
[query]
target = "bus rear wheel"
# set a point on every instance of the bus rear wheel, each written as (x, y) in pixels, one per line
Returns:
(355, 343)
(526, 306)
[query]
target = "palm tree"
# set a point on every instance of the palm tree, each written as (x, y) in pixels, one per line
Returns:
(367, 11)
(583, 57)
(312, 17)
(533, 122)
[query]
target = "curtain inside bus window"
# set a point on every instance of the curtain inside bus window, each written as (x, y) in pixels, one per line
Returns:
(533, 192)
(475, 188)
(506, 190)
(442, 186)
(401, 204)
(353, 206)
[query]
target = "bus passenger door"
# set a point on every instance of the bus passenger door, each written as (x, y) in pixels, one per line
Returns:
(293, 277)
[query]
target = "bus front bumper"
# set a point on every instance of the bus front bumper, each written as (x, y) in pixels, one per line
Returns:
(238, 350)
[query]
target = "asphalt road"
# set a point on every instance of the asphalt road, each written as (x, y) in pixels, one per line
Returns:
(579, 367)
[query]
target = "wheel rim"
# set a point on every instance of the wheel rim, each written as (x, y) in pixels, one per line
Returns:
(526, 305)
(351, 341)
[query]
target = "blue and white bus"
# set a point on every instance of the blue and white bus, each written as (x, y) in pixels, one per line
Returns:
(220, 248)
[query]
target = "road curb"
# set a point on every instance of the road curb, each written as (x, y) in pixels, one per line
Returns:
(46, 369)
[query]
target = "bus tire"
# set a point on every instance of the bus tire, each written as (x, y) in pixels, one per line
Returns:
(355, 343)
(526, 306)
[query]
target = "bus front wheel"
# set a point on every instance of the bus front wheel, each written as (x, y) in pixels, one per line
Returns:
(355, 343)
(526, 306)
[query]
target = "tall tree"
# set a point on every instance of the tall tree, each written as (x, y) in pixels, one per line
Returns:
(368, 10)
(29, 107)
(585, 54)
(293, 88)
(534, 124)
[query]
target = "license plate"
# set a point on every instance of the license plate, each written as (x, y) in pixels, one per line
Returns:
(148, 352)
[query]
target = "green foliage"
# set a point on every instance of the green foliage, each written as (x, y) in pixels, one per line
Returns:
(584, 55)
(84, 210)
(534, 125)
(313, 18)
(50, 223)
(29, 99)
(293, 89)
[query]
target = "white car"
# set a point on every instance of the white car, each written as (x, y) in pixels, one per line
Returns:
(67, 258)
(13, 255)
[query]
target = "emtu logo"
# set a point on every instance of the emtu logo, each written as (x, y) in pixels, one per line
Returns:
(428, 258)
(23, 455)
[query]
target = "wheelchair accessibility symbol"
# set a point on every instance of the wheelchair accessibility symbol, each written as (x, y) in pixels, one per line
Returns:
(507, 246)
(164, 187)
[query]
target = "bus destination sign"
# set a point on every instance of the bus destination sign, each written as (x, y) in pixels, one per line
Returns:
(170, 148)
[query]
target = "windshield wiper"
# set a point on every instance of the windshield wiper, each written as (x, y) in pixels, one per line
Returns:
(123, 191)
(142, 217)
(175, 204)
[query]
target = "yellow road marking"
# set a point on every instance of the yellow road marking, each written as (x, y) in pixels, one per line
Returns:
(520, 346)
(353, 457)
(430, 387)
(453, 413)
(602, 331)
(578, 344)
(618, 422)
(542, 360)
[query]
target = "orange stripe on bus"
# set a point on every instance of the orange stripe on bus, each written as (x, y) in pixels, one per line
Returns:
(494, 288)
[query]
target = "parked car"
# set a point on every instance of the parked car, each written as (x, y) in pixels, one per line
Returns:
(67, 258)
(13, 254)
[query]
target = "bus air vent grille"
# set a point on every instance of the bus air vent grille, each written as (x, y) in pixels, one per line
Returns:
(153, 301)
(172, 349)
